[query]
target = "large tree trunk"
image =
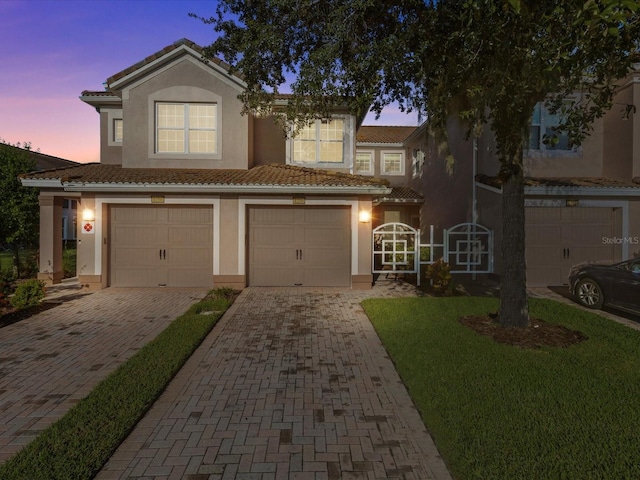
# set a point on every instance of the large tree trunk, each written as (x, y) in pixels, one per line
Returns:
(514, 307)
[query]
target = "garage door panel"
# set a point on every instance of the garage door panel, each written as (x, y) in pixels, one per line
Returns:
(272, 235)
(196, 235)
(320, 237)
(135, 235)
(129, 257)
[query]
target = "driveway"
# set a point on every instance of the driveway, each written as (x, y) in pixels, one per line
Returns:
(53, 359)
(293, 383)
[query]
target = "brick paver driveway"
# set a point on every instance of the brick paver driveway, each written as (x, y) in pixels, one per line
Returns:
(291, 384)
(51, 360)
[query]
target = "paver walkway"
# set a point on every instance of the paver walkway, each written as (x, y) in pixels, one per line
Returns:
(291, 384)
(51, 360)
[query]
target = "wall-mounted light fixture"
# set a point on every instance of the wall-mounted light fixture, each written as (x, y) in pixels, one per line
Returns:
(572, 202)
(88, 215)
(364, 216)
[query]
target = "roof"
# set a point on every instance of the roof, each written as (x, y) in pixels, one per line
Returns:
(570, 185)
(276, 178)
(401, 195)
(166, 50)
(43, 161)
(384, 134)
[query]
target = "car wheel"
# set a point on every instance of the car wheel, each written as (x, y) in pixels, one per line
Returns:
(589, 293)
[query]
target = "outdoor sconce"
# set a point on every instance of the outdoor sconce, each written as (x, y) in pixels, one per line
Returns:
(88, 215)
(364, 216)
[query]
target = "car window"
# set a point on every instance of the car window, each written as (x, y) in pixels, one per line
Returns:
(635, 267)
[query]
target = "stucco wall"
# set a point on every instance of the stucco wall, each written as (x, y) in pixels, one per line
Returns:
(186, 80)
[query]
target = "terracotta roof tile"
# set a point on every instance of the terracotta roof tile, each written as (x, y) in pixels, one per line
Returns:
(161, 53)
(276, 175)
(575, 182)
(401, 195)
(383, 134)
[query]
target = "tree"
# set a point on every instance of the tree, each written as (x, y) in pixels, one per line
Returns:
(19, 209)
(487, 61)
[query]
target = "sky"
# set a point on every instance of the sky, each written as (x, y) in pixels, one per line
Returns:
(52, 50)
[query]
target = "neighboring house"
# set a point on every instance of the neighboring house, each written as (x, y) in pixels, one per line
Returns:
(69, 209)
(582, 204)
(191, 192)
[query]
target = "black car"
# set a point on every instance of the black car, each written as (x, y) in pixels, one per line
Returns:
(616, 285)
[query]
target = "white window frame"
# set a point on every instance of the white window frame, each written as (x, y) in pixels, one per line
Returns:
(543, 124)
(118, 130)
(187, 129)
(383, 163)
(347, 145)
(417, 162)
(370, 170)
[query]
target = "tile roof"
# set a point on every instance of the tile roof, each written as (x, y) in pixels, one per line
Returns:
(401, 195)
(383, 134)
(266, 175)
(161, 53)
(43, 161)
(575, 182)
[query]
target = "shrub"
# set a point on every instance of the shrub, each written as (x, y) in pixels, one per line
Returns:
(28, 294)
(439, 273)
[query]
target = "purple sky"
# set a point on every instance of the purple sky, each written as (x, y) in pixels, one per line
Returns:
(52, 50)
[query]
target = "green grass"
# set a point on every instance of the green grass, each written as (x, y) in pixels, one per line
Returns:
(80, 443)
(501, 412)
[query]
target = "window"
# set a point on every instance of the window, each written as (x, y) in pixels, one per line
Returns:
(392, 163)
(117, 130)
(186, 128)
(417, 162)
(320, 142)
(545, 125)
(364, 163)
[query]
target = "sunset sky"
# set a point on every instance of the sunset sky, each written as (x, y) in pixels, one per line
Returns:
(52, 50)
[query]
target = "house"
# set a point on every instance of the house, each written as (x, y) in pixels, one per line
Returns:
(192, 192)
(581, 204)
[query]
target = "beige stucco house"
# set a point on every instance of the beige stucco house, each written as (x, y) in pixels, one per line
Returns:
(192, 192)
(582, 204)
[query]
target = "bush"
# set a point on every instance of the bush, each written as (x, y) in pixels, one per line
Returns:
(439, 273)
(28, 294)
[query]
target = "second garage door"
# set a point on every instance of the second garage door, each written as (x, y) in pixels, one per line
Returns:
(161, 246)
(558, 238)
(303, 246)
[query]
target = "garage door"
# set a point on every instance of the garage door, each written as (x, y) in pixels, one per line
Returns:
(305, 246)
(161, 246)
(558, 238)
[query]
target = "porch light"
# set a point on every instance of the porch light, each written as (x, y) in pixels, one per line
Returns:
(88, 215)
(364, 216)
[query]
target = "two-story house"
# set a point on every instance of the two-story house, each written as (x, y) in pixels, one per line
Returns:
(192, 192)
(582, 204)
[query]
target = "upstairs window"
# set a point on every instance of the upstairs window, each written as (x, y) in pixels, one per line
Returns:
(545, 125)
(186, 128)
(364, 163)
(392, 163)
(323, 141)
(117, 130)
(417, 162)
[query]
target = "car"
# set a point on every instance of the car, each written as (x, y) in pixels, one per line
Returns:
(616, 285)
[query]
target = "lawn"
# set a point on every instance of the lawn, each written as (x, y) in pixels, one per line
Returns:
(81, 442)
(502, 412)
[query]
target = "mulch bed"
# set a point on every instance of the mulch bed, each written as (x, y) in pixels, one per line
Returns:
(538, 334)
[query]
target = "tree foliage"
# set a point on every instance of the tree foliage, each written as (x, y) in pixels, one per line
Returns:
(487, 61)
(19, 209)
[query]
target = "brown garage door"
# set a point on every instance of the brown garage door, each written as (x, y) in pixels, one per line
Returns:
(306, 246)
(158, 246)
(558, 238)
